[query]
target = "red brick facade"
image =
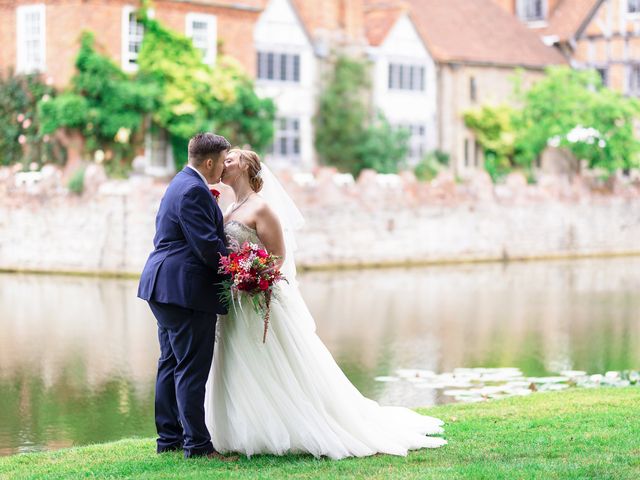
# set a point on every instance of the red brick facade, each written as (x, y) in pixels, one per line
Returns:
(66, 19)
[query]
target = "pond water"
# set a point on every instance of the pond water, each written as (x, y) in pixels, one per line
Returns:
(78, 355)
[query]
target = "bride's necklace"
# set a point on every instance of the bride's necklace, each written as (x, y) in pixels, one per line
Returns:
(239, 204)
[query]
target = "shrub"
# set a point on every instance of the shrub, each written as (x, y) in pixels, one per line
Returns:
(76, 182)
(433, 163)
(20, 136)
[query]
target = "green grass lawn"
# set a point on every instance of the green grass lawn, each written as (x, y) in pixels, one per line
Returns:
(576, 434)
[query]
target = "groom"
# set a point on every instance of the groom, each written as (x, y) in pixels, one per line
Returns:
(181, 284)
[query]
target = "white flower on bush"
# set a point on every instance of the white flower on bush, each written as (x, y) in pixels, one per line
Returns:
(98, 156)
(22, 139)
(123, 135)
(579, 134)
(554, 141)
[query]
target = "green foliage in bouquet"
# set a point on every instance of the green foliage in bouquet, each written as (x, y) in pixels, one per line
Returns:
(21, 140)
(567, 98)
(494, 130)
(195, 97)
(103, 103)
(348, 136)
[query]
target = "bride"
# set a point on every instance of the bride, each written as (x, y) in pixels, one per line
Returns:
(288, 395)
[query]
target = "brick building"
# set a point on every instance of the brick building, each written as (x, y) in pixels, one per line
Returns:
(599, 34)
(473, 49)
(43, 35)
(432, 59)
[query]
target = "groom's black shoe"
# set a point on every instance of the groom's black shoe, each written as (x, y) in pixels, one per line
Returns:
(215, 455)
(171, 448)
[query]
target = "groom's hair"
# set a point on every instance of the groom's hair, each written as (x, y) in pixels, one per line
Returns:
(206, 145)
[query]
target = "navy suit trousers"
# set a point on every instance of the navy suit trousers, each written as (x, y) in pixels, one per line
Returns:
(186, 352)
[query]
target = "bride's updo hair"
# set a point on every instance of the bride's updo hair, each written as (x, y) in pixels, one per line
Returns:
(251, 159)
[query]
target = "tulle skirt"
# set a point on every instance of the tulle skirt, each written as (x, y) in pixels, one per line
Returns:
(288, 395)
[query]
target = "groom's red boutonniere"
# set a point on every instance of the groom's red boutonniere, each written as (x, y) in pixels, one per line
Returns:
(215, 193)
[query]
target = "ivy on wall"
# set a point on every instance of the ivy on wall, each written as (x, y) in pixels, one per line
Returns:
(195, 97)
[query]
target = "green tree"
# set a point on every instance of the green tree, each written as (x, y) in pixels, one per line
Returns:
(347, 136)
(566, 101)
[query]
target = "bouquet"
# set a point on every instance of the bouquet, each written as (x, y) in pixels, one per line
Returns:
(252, 270)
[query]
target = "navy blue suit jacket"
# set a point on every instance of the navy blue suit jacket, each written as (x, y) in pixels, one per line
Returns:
(183, 268)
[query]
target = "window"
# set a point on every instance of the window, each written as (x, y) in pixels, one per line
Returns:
(633, 6)
(202, 29)
(283, 67)
(417, 140)
(473, 89)
(532, 10)
(634, 79)
(31, 38)
(604, 75)
(132, 35)
(287, 138)
(406, 77)
(466, 152)
(158, 152)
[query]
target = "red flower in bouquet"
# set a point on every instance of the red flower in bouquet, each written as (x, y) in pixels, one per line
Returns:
(253, 272)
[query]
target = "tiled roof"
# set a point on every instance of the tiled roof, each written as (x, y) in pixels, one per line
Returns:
(255, 5)
(479, 31)
(567, 18)
(379, 21)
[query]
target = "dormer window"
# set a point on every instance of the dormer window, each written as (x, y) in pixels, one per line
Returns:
(532, 10)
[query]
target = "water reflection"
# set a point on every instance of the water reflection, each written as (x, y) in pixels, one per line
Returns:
(78, 355)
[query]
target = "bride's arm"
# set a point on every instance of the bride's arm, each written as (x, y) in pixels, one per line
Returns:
(270, 232)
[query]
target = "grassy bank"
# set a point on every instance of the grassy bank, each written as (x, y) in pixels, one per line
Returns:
(577, 434)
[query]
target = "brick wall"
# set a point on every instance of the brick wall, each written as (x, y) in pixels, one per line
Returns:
(7, 37)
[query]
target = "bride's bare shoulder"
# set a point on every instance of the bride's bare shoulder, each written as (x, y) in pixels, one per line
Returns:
(264, 212)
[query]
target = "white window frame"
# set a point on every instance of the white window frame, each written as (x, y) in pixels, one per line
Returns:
(22, 62)
(209, 56)
(397, 77)
(635, 14)
(154, 138)
(418, 141)
(278, 54)
(522, 11)
(633, 87)
(126, 55)
(290, 135)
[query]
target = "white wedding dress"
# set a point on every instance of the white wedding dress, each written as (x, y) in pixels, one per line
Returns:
(288, 395)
